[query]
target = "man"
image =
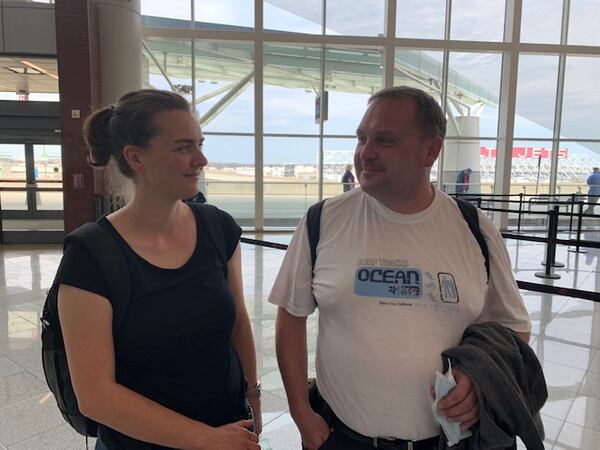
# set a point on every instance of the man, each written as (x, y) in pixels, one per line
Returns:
(348, 179)
(398, 278)
(593, 182)
(462, 181)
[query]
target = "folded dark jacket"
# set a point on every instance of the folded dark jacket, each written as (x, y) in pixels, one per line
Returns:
(510, 387)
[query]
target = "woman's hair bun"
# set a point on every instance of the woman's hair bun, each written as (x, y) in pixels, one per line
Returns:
(96, 135)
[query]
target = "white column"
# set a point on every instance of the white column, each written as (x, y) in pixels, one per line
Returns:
(120, 37)
(120, 48)
(463, 154)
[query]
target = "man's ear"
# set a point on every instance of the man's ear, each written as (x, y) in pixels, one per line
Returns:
(433, 150)
(132, 154)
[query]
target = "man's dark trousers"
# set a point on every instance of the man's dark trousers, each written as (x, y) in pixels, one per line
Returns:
(341, 440)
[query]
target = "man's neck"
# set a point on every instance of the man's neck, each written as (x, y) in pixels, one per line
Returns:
(411, 203)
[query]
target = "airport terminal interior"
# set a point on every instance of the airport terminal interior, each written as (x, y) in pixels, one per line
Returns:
(278, 87)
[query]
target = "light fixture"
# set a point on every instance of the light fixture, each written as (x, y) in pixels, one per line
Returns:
(23, 70)
(38, 68)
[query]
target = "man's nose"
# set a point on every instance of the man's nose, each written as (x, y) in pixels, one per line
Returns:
(368, 151)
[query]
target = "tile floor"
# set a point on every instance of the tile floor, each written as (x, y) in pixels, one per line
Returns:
(566, 337)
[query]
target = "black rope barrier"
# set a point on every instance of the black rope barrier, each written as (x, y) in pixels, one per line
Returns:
(525, 285)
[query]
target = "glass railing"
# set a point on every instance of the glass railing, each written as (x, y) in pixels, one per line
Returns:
(284, 202)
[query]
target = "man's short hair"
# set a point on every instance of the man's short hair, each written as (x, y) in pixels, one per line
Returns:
(431, 116)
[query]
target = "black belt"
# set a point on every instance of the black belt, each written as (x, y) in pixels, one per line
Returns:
(383, 443)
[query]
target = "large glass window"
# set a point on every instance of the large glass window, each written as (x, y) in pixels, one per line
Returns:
(575, 163)
(351, 76)
(531, 163)
(583, 22)
(229, 177)
(581, 102)
(344, 47)
(541, 21)
(291, 178)
(303, 16)
(171, 14)
(168, 65)
(473, 94)
(292, 76)
(365, 18)
(421, 69)
(12, 175)
(237, 13)
(477, 20)
(536, 96)
(47, 166)
(225, 86)
(421, 19)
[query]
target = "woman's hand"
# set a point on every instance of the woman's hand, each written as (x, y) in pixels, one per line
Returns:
(256, 413)
(233, 436)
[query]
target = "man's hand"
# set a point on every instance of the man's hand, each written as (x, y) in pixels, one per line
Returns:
(313, 429)
(461, 404)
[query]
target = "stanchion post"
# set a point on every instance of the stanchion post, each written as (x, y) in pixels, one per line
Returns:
(550, 246)
(578, 248)
(572, 209)
(520, 211)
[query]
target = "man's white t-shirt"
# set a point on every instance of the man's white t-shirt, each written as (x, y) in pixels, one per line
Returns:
(394, 291)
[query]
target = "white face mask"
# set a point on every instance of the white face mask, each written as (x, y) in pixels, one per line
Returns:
(443, 385)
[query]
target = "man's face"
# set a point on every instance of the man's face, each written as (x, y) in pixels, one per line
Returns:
(392, 158)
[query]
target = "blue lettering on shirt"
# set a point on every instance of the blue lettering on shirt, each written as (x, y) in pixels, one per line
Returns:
(388, 282)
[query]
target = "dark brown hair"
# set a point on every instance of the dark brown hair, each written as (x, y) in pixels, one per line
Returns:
(431, 116)
(130, 122)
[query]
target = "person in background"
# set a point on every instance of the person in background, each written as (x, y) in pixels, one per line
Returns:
(177, 373)
(348, 179)
(593, 182)
(462, 181)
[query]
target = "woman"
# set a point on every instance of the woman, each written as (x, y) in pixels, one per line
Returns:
(175, 375)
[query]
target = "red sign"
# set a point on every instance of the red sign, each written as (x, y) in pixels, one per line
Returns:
(526, 152)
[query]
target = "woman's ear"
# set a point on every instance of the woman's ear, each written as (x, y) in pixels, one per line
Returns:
(132, 154)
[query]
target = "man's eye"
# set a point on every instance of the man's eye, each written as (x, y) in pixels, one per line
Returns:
(385, 141)
(361, 139)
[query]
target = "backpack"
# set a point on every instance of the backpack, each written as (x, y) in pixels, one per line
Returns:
(468, 211)
(106, 251)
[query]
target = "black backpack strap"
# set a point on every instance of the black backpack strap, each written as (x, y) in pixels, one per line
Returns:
(107, 253)
(211, 219)
(313, 224)
(470, 214)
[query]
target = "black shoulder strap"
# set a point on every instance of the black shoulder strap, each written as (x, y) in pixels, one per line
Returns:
(470, 214)
(313, 224)
(214, 229)
(105, 249)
